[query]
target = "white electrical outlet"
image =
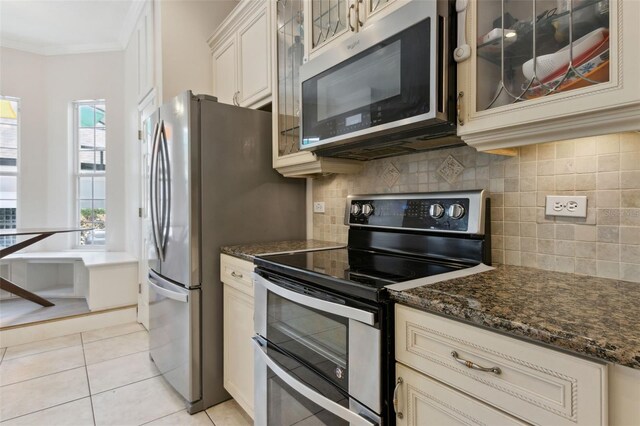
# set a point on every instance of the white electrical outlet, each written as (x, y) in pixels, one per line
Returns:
(566, 205)
(318, 206)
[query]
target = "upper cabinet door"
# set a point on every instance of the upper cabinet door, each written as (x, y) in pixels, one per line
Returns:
(225, 71)
(330, 20)
(254, 56)
(544, 70)
(145, 41)
(327, 21)
(241, 49)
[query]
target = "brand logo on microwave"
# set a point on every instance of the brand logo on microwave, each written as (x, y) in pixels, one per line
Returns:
(353, 45)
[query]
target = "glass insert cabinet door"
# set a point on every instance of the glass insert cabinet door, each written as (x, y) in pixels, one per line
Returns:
(528, 49)
(290, 45)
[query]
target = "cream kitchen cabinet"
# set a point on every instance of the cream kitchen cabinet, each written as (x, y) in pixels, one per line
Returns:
(289, 49)
(331, 20)
(422, 401)
(505, 375)
(144, 38)
(241, 55)
(583, 81)
(236, 276)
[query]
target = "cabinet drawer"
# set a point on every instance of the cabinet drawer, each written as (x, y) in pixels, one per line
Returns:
(237, 273)
(535, 384)
(424, 401)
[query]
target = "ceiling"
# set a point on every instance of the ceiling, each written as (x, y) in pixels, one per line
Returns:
(55, 27)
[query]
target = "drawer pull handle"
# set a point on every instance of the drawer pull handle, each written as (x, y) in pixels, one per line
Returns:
(395, 397)
(469, 364)
(234, 274)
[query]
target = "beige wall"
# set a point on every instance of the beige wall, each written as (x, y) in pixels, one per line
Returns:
(185, 27)
(606, 169)
(47, 86)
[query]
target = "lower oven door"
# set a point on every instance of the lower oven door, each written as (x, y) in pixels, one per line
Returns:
(288, 393)
(339, 341)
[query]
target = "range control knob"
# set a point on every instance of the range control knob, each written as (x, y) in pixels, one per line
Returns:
(436, 211)
(367, 209)
(355, 209)
(456, 211)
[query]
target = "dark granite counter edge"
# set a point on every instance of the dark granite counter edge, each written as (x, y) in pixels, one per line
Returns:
(556, 339)
(250, 251)
(239, 255)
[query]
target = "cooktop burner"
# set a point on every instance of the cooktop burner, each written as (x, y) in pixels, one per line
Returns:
(370, 271)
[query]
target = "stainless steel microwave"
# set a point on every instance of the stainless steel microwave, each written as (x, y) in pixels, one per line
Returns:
(386, 90)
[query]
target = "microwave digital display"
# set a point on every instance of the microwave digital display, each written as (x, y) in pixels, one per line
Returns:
(353, 120)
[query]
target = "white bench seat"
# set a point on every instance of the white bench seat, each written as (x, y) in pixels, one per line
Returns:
(110, 279)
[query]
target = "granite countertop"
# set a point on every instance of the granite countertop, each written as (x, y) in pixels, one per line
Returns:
(249, 251)
(591, 316)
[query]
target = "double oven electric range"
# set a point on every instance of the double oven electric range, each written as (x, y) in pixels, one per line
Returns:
(323, 319)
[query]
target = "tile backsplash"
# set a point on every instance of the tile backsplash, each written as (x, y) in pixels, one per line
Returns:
(605, 168)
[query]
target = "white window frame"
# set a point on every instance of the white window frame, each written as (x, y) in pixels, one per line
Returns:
(77, 174)
(18, 156)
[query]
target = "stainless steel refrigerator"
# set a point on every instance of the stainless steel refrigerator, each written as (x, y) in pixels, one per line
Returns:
(211, 183)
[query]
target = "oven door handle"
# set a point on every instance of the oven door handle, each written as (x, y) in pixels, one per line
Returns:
(333, 407)
(322, 305)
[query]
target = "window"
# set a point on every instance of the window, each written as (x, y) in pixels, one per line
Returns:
(9, 136)
(90, 144)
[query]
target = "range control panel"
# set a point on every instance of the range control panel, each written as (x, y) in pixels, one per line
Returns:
(459, 212)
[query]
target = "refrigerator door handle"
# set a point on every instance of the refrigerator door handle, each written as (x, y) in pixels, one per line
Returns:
(166, 199)
(168, 293)
(153, 191)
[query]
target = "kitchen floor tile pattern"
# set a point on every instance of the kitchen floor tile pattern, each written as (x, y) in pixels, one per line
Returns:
(101, 377)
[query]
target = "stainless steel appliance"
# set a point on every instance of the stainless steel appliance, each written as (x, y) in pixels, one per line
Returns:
(387, 90)
(210, 171)
(323, 320)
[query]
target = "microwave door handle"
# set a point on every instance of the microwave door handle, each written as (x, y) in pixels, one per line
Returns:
(333, 407)
(153, 188)
(322, 305)
(463, 51)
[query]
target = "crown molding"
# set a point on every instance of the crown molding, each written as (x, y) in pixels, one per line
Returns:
(60, 50)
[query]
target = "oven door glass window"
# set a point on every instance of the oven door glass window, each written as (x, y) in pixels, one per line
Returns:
(319, 339)
(286, 406)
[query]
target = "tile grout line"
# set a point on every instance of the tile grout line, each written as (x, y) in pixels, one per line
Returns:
(45, 351)
(43, 409)
(40, 377)
(127, 384)
(64, 347)
(214, 423)
(86, 371)
(112, 337)
(118, 357)
(162, 417)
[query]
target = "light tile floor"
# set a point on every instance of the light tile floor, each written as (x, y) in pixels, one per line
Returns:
(102, 377)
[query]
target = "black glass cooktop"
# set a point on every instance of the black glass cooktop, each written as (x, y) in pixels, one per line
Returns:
(355, 272)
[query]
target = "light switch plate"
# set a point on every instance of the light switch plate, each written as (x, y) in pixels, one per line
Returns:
(566, 205)
(318, 206)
